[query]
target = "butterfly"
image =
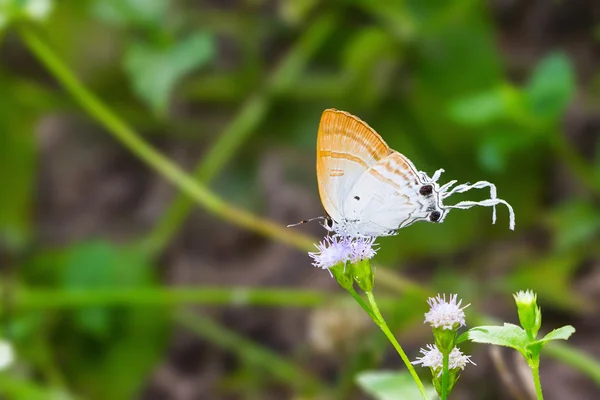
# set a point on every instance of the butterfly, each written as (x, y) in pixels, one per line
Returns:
(368, 189)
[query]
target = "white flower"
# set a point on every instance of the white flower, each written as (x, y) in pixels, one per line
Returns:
(6, 355)
(362, 248)
(337, 249)
(445, 314)
(433, 359)
(525, 298)
(332, 251)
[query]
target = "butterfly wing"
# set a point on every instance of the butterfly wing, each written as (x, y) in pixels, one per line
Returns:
(386, 197)
(346, 148)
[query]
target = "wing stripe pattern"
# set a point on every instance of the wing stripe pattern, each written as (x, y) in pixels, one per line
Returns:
(346, 148)
(387, 193)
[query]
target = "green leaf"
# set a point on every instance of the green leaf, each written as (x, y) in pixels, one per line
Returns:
(390, 385)
(574, 224)
(99, 264)
(34, 10)
(127, 341)
(154, 70)
(508, 335)
(562, 333)
(145, 13)
(478, 109)
(365, 49)
(551, 86)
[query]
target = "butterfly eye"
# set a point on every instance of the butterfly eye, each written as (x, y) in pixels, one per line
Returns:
(329, 222)
(435, 216)
(426, 190)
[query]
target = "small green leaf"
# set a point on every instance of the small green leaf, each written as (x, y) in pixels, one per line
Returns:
(562, 333)
(390, 385)
(478, 109)
(131, 12)
(96, 265)
(574, 223)
(34, 10)
(154, 70)
(551, 86)
(508, 335)
(366, 48)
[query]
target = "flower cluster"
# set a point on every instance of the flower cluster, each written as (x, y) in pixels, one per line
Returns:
(433, 359)
(445, 314)
(334, 250)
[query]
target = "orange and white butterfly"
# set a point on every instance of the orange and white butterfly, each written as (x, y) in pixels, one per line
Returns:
(369, 189)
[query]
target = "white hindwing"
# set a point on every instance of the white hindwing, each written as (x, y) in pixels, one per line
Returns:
(386, 197)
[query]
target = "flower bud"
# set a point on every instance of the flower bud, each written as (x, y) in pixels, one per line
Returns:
(363, 274)
(342, 274)
(530, 315)
(445, 339)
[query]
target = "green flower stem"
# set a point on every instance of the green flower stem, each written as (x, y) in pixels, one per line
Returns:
(445, 375)
(43, 299)
(243, 125)
(144, 151)
(535, 371)
(46, 299)
(386, 330)
(360, 301)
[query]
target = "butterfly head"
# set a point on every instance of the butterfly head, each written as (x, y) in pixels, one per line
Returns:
(329, 224)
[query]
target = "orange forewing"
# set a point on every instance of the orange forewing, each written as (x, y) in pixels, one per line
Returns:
(346, 147)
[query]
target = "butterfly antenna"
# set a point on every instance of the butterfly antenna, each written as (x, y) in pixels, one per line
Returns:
(493, 201)
(304, 221)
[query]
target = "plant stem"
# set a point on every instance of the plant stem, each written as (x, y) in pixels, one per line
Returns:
(445, 362)
(535, 371)
(148, 154)
(43, 299)
(386, 330)
(360, 301)
(46, 299)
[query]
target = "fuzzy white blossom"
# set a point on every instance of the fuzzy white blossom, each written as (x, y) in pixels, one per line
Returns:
(362, 248)
(445, 314)
(526, 298)
(6, 355)
(336, 249)
(433, 359)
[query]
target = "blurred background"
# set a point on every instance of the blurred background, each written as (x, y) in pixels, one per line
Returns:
(114, 285)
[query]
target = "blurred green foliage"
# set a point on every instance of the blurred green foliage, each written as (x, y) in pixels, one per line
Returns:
(252, 79)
